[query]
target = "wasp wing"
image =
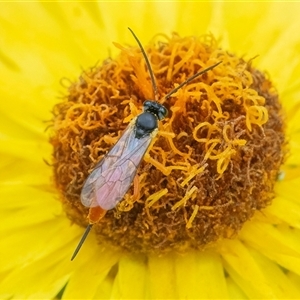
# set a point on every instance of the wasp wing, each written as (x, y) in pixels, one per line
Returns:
(115, 181)
(111, 179)
(115, 153)
(109, 159)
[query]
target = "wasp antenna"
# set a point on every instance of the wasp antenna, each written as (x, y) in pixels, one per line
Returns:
(190, 79)
(87, 230)
(154, 86)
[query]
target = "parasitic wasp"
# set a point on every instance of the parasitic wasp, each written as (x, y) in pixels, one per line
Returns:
(111, 178)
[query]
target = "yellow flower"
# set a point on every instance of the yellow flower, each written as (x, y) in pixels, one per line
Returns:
(44, 42)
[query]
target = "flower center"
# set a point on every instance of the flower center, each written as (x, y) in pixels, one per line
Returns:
(213, 163)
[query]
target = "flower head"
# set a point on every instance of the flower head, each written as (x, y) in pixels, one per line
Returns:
(213, 164)
(262, 261)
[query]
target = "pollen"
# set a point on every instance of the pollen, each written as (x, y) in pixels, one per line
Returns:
(213, 163)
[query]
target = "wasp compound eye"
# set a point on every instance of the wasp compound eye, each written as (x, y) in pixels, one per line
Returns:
(162, 113)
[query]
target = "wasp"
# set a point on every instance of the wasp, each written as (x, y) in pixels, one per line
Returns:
(111, 178)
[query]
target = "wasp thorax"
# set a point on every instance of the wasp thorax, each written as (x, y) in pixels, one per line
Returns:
(145, 124)
(216, 164)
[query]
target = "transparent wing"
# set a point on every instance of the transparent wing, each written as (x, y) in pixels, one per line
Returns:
(113, 183)
(111, 179)
(112, 156)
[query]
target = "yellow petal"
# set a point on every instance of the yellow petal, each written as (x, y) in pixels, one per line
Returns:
(198, 274)
(160, 281)
(234, 291)
(245, 271)
(105, 287)
(288, 189)
(25, 208)
(295, 279)
(277, 279)
(286, 210)
(89, 264)
(132, 270)
(281, 243)
(43, 248)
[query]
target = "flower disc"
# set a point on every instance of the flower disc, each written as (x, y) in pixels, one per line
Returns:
(213, 163)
